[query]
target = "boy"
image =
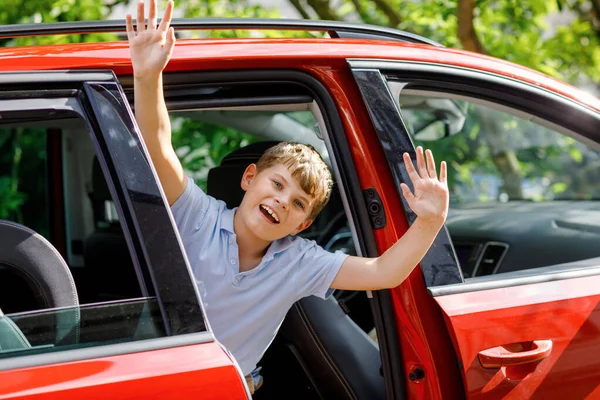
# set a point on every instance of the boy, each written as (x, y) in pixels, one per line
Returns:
(249, 264)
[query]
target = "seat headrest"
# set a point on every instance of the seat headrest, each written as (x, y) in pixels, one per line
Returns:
(32, 257)
(224, 181)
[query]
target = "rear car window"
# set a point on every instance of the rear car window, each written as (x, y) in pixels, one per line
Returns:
(51, 182)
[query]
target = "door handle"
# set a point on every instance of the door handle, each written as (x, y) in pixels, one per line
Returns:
(508, 355)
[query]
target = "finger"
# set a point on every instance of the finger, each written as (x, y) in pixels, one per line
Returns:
(421, 168)
(444, 172)
(410, 169)
(129, 26)
(430, 164)
(407, 193)
(166, 19)
(152, 16)
(140, 21)
(170, 42)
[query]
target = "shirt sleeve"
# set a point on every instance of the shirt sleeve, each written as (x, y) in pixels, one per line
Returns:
(316, 270)
(189, 207)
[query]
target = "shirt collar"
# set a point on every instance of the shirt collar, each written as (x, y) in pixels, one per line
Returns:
(277, 247)
(227, 222)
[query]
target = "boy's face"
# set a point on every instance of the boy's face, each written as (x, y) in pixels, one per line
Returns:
(274, 205)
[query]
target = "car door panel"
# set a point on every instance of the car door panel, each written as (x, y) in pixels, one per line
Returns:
(525, 335)
(186, 361)
(192, 371)
(564, 312)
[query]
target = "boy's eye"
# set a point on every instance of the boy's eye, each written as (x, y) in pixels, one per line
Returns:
(299, 204)
(277, 184)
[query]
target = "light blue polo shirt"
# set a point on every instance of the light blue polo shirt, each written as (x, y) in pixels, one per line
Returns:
(245, 310)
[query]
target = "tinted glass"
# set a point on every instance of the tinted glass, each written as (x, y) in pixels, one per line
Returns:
(523, 195)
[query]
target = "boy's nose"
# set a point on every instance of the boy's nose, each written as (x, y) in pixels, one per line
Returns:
(283, 202)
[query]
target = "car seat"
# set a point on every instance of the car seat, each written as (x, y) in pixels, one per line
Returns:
(339, 358)
(32, 257)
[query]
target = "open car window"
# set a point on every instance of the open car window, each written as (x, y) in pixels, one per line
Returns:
(524, 194)
(499, 156)
(203, 138)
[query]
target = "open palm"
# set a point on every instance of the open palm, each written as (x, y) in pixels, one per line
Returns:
(430, 197)
(150, 47)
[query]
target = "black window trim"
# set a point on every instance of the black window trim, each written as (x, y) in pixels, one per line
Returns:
(514, 94)
(179, 300)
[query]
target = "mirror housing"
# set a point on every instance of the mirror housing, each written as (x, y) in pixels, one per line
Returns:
(431, 119)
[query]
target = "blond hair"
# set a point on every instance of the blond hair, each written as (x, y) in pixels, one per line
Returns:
(307, 168)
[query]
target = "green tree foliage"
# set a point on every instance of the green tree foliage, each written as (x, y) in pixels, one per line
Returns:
(23, 181)
(44, 11)
(201, 146)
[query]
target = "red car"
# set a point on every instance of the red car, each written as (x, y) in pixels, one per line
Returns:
(96, 292)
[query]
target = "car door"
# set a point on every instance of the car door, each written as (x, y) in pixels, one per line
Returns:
(514, 277)
(74, 131)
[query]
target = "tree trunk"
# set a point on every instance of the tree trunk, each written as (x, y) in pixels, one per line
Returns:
(504, 158)
(388, 9)
(323, 9)
(300, 7)
(466, 28)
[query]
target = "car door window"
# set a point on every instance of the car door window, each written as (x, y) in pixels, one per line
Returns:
(51, 182)
(522, 170)
(89, 254)
(523, 195)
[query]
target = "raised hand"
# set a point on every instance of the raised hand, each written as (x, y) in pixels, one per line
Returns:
(430, 198)
(150, 47)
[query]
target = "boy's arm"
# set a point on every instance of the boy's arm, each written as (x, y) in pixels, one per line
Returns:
(430, 202)
(151, 49)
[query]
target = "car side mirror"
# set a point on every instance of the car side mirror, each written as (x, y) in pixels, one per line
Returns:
(432, 118)
(435, 130)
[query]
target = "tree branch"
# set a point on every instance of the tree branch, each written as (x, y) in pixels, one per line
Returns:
(389, 11)
(300, 8)
(596, 15)
(323, 9)
(466, 28)
(360, 10)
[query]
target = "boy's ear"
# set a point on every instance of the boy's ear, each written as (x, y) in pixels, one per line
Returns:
(249, 175)
(302, 227)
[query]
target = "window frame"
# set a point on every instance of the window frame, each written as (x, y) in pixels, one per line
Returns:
(81, 92)
(344, 172)
(373, 76)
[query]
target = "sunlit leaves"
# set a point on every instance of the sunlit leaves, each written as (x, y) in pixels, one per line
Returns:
(44, 11)
(201, 146)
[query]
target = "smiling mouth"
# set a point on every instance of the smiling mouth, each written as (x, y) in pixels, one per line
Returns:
(269, 214)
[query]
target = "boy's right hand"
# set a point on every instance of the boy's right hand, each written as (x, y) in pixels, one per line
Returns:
(150, 48)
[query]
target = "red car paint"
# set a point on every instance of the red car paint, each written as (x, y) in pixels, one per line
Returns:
(199, 371)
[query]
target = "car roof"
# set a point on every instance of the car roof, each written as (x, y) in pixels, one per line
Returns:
(296, 53)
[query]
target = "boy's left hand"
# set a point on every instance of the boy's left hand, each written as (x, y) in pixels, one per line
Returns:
(430, 198)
